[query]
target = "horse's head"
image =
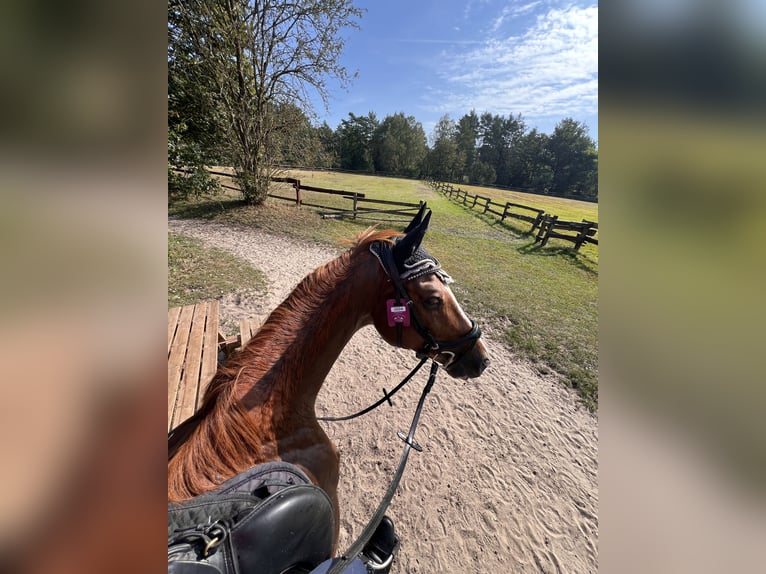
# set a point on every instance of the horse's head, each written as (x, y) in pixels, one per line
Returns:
(420, 311)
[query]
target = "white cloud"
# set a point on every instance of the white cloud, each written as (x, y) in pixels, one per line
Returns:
(512, 12)
(551, 70)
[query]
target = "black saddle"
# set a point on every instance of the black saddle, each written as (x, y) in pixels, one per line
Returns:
(269, 519)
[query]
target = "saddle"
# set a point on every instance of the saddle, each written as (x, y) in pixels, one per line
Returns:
(268, 519)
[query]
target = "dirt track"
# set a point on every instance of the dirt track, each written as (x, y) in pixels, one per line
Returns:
(507, 481)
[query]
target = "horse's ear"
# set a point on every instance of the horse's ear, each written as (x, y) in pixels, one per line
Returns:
(417, 219)
(407, 245)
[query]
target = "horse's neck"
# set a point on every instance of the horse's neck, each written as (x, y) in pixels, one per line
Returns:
(309, 338)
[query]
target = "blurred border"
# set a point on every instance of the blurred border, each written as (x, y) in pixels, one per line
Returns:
(682, 181)
(83, 302)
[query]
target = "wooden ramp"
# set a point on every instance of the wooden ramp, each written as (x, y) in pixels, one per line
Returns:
(192, 357)
(248, 328)
(194, 344)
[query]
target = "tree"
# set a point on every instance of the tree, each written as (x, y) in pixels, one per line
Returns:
(329, 155)
(354, 137)
(444, 160)
(193, 131)
(534, 160)
(574, 159)
(254, 57)
(499, 135)
(466, 137)
(299, 142)
(399, 145)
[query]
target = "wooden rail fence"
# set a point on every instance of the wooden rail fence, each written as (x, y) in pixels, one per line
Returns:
(354, 212)
(547, 225)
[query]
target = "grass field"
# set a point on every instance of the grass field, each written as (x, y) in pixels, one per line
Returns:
(197, 273)
(543, 302)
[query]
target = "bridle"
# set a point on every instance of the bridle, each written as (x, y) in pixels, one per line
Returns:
(431, 344)
(384, 250)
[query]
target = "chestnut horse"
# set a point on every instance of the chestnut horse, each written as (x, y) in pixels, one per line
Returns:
(259, 407)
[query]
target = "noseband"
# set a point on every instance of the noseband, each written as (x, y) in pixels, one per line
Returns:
(385, 254)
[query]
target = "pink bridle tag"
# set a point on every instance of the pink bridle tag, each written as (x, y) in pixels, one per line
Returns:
(398, 314)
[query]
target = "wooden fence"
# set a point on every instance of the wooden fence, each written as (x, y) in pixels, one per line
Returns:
(547, 225)
(354, 212)
(583, 231)
(404, 209)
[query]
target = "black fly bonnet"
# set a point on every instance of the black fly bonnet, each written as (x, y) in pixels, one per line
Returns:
(404, 261)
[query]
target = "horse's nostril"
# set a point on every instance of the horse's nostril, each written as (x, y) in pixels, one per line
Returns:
(484, 364)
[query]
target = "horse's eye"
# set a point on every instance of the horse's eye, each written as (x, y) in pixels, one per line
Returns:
(433, 302)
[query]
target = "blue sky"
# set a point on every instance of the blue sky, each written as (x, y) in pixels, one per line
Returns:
(428, 58)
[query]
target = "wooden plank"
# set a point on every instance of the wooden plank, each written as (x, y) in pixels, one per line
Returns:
(495, 212)
(526, 218)
(209, 350)
(244, 330)
(177, 356)
(249, 327)
(365, 211)
(323, 206)
(571, 225)
(190, 379)
(329, 191)
(274, 196)
(555, 235)
(387, 202)
(526, 207)
(173, 314)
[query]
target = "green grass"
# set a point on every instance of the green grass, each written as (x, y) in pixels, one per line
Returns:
(197, 273)
(541, 301)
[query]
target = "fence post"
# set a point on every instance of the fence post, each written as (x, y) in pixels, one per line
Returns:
(541, 229)
(475, 197)
(297, 186)
(538, 220)
(505, 212)
(581, 236)
(355, 203)
(586, 227)
(551, 224)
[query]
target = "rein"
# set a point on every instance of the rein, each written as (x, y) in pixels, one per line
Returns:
(409, 443)
(386, 397)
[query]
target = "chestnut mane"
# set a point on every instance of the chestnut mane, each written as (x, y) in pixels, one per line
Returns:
(223, 437)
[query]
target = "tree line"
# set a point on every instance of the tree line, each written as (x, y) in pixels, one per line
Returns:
(477, 149)
(238, 75)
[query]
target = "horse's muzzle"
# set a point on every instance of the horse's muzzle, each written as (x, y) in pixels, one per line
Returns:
(470, 364)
